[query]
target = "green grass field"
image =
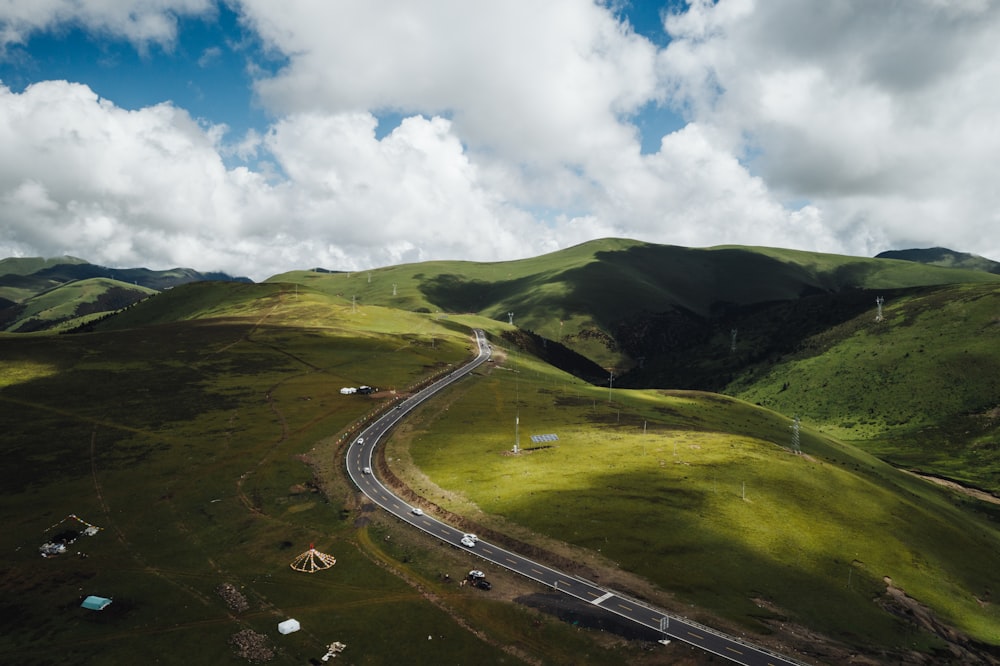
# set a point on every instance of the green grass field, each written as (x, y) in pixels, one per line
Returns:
(920, 388)
(187, 442)
(702, 495)
(202, 430)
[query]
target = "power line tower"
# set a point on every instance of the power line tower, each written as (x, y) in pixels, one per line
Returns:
(732, 344)
(878, 303)
(796, 444)
(354, 304)
(510, 318)
(393, 288)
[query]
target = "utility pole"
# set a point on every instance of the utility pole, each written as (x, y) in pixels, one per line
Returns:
(517, 434)
(878, 303)
(732, 345)
(795, 435)
(611, 383)
(354, 304)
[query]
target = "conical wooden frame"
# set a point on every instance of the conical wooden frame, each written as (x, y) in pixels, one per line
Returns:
(312, 561)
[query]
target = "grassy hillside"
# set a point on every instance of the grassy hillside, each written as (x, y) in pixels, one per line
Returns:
(199, 428)
(920, 388)
(72, 304)
(42, 294)
(703, 496)
(17, 279)
(941, 256)
(588, 296)
(202, 431)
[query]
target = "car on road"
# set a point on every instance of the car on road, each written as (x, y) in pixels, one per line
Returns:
(416, 511)
(471, 537)
(367, 470)
(467, 542)
(361, 440)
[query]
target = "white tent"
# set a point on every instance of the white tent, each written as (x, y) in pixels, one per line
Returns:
(288, 626)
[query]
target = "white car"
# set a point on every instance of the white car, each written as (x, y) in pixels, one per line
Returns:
(467, 542)
(361, 440)
(471, 537)
(417, 511)
(367, 470)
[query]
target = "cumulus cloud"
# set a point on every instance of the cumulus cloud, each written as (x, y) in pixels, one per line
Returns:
(841, 127)
(150, 187)
(880, 114)
(80, 175)
(139, 21)
(531, 81)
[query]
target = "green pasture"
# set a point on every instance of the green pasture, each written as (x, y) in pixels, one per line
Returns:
(199, 427)
(920, 388)
(187, 443)
(581, 295)
(703, 495)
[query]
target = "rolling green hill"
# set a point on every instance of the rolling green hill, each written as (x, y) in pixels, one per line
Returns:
(592, 297)
(204, 427)
(942, 256)
(203, 430)
(921, 388)
(36, 293)
(71, 304)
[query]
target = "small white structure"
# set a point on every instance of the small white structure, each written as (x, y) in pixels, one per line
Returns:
(288, 626)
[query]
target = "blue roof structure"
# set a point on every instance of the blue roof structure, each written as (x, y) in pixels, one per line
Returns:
(95, 603)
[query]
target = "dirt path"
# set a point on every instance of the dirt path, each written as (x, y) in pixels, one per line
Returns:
(957, 487)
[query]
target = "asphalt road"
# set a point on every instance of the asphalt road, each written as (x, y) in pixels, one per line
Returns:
(360, 467)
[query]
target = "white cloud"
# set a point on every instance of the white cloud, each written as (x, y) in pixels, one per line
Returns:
(149, 187)
(80, 175)
(139, 21)
(531, 81)
(843, 127)
(883, 115)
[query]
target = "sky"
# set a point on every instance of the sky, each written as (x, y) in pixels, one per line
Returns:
(257, 137)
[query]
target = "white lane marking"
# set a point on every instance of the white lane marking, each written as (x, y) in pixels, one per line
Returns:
(603, 597)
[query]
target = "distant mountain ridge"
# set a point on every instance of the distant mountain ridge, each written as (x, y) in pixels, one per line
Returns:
(942, 256)
(35, 293)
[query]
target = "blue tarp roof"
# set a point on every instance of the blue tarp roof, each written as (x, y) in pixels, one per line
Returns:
(95, 603)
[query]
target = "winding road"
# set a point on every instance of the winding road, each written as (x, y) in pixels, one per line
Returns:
(360, 467)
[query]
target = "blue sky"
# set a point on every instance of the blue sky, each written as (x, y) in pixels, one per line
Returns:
(207, 71)
(360, 134)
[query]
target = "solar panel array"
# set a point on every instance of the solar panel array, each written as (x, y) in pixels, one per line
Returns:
(544, 438)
